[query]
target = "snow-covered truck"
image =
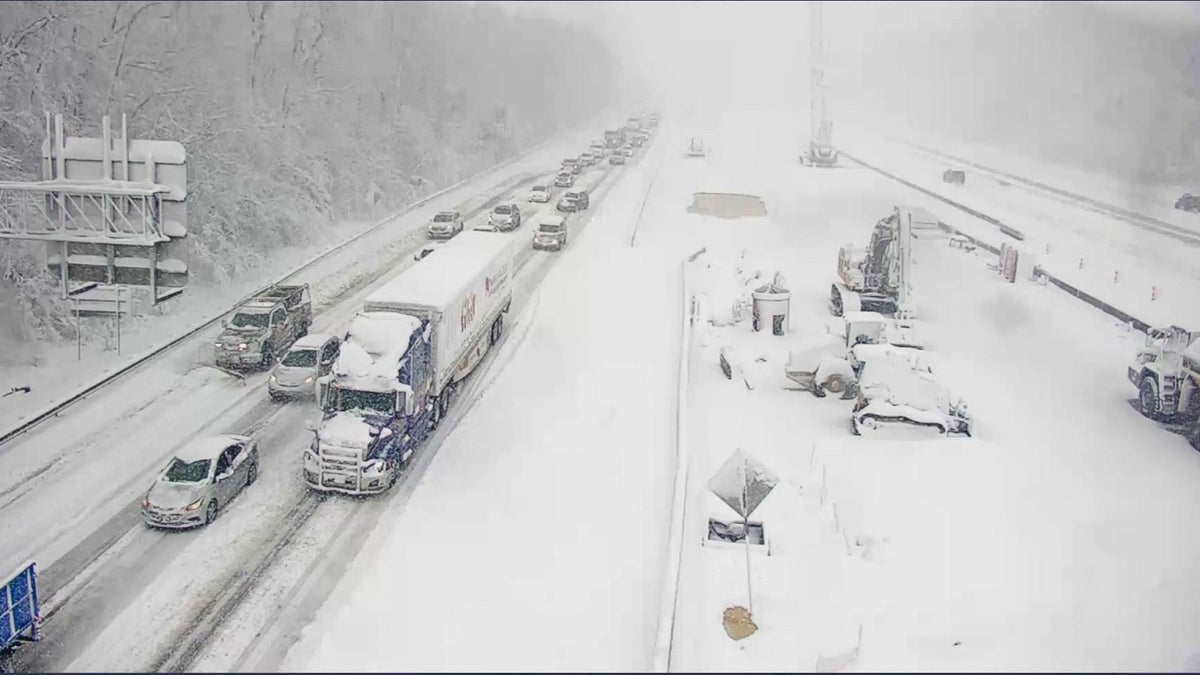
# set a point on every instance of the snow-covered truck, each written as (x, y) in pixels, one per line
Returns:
(1166, 372)
(264, 327)
(400, 363)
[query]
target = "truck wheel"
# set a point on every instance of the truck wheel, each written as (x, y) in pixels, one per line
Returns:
(835, 384)
(1148, 398)
(268, 356)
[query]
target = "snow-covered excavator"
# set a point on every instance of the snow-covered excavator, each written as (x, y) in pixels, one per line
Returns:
(877, 278)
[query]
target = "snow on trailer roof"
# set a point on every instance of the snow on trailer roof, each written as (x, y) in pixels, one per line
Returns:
(375, 345)
(436, 280)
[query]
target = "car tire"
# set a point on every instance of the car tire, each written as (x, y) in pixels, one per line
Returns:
(835, 384)
(252, 474)
(211, 512)
(275, 396)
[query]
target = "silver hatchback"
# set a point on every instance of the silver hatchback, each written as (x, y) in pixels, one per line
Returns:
(311, 357)
(200, 480)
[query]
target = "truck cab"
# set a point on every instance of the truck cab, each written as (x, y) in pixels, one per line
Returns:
(374, 409)
(1166, 372)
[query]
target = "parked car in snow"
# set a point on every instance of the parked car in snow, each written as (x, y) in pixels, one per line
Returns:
(539, 194)
(445, 225)
(616, 159)
(296, 373)
(551, 233)
(573, 200)
(201, 479)
(564, 179)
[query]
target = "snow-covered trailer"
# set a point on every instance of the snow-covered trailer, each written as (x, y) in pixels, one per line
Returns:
(462, 294)
(394, 378)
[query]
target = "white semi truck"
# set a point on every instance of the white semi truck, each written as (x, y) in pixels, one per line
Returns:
(401, 361)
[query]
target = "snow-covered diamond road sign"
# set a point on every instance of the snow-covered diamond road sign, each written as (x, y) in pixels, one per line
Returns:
(743, 483)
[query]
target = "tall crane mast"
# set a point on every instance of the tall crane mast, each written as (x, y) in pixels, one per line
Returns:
(820, 145)
(816, 59)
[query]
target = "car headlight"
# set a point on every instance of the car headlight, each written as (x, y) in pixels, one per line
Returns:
(217, 345)
(194, 505)
(242, 346)
(308, 380)
(146, 501)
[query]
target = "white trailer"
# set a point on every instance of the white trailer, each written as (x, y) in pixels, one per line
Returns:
(462, 292)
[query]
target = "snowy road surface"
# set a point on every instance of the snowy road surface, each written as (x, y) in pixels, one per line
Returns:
(536, 535)
(114, 586)
(1051, 540)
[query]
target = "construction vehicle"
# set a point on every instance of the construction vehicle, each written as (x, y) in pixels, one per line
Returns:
(1166, 373)
(878, 278)
(831, 363)
(894, 395)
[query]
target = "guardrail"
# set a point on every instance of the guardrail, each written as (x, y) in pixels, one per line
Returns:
(670, 595)
(1038, 270)
(53, 410)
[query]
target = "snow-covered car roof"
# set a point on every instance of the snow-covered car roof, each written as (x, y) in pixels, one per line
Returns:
(208, 447)
(311, 341)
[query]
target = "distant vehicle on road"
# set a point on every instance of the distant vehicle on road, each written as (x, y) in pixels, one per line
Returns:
(616, 159)
(200, 480)
(296, 373)
(954, 176)
(506, 217)
(539, 194)
(445, 225)
(551, 233)
(564, 179)
(573, 200)
(1188, 202)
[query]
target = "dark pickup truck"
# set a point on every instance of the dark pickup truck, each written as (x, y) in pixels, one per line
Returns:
(264, 327)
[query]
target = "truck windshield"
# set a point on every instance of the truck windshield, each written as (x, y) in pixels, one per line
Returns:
(300, 358)
(187, 472)
(383, 403)
(250, 320)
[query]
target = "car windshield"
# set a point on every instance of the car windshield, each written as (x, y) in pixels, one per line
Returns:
(187, 472)
(444, 218)
(539, 188)
(242, 320)
(503, 210)
(550, 227)
(379, 402)
(300, 358)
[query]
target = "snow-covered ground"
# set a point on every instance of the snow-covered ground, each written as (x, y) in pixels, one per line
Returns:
(1148, 275)
(534, 541)
(1053, 539)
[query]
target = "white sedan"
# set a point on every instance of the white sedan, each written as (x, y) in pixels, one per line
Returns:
(201, 479)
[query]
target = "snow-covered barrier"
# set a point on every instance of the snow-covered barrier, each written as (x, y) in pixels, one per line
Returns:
(1039, 270)
(670, 594)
